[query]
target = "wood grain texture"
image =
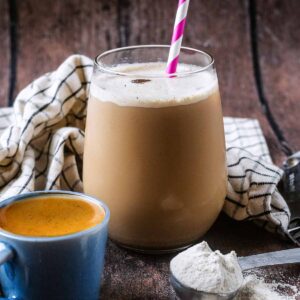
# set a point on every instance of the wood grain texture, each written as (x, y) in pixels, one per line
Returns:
(279, 45)
(4, 52)
(49, 33)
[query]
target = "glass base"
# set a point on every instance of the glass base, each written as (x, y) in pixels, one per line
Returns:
(155, 251)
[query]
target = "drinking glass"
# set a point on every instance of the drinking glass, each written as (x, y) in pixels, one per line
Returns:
(154, 146)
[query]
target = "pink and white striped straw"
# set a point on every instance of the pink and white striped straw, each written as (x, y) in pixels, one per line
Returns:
(177, 36)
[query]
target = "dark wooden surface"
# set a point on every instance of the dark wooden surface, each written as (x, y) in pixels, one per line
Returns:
(256, 45)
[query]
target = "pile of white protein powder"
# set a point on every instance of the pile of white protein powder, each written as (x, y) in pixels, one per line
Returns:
(210, 271)
(205, 270)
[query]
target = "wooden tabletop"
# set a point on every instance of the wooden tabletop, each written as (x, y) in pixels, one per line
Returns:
(256, 45)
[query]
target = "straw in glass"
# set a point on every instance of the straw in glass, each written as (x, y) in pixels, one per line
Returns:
(177, 36)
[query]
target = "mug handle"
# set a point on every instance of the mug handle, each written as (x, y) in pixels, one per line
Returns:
(6, 254)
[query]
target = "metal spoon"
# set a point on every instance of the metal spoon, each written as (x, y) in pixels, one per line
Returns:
(290, 256)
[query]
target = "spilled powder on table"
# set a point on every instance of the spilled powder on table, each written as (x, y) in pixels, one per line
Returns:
(255, 288)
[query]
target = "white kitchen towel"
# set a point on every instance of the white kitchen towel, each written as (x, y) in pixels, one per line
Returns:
(42, 139)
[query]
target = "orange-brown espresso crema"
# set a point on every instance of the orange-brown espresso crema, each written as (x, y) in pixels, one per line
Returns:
(48, 217)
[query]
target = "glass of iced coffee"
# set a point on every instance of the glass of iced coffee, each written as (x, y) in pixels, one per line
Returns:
(154, 146)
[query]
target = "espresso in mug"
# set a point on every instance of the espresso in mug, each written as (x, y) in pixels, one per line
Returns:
(49, 217)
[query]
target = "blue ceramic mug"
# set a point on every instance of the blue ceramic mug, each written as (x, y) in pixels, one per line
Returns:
(65, 267)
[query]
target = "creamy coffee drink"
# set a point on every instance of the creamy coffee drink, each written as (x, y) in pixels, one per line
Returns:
(154, 152)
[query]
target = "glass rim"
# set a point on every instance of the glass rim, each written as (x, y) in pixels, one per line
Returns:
(198, 69)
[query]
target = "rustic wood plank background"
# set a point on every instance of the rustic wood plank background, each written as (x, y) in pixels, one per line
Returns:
(256, 45)
(4, 53)
(279, 45)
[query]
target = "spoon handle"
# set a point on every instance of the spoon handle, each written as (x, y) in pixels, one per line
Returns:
(290, 256)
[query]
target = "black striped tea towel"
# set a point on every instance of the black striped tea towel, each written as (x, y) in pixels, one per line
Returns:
(41, 147)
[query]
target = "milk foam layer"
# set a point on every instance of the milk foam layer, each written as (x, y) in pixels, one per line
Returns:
(143, 87)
